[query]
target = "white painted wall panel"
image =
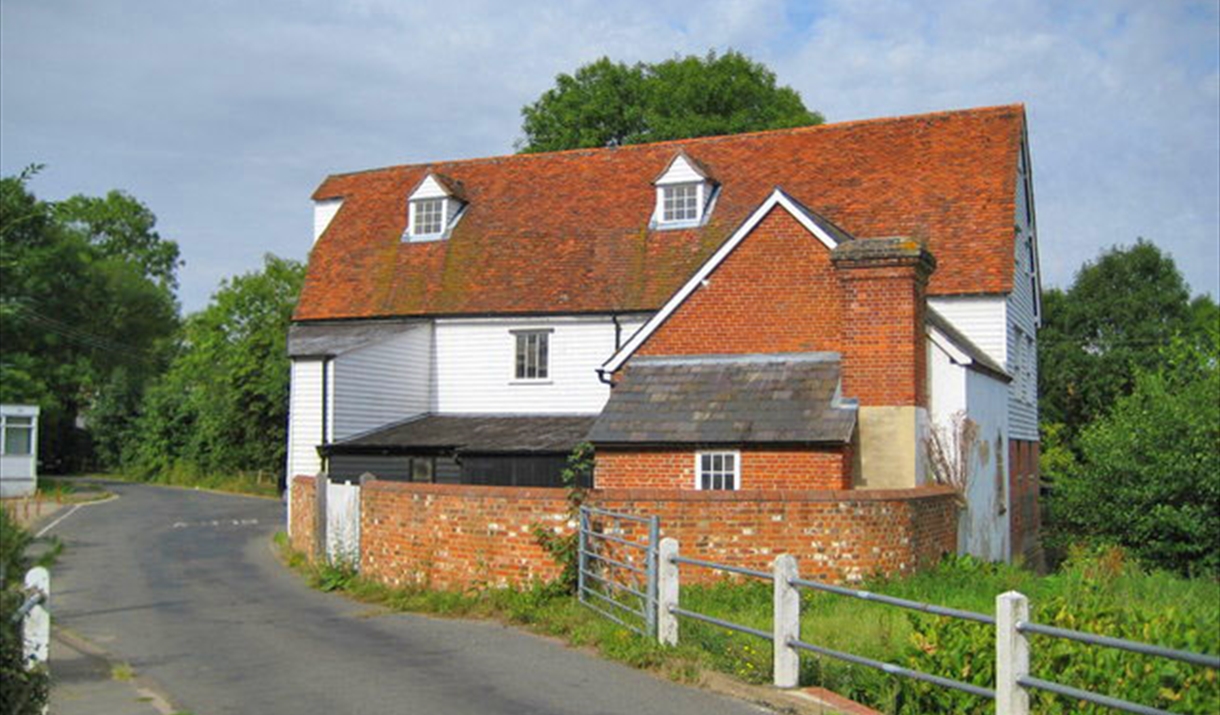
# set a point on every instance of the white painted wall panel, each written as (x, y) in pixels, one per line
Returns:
(984, 527)
(474, 366)
(323, 213)
(381, 383)
(679, 172)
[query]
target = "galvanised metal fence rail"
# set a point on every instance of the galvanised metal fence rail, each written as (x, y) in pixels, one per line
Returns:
(603, 582)
(1011, 623)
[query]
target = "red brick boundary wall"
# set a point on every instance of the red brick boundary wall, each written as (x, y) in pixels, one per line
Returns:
(304, 514)
(458, 536)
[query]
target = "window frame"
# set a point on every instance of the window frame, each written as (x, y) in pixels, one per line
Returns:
(734, 474)
(541, 357)
(7, 426)
(415, 206)
(704, 194)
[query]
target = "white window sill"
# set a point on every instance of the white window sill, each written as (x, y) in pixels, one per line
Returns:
(531, 382)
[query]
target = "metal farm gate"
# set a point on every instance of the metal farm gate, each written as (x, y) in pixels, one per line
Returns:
(617, 567)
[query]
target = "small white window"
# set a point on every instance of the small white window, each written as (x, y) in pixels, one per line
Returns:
(532, 355)
(427, 217)
(717, 470)
(680, 203)
(18, 435)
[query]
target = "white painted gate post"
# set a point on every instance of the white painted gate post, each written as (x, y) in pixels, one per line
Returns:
(786, 622)
(36, 629)
(1012, 654)
(668, 589)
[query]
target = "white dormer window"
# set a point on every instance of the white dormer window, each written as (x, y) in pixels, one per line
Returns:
(433, 209)
(685, 194)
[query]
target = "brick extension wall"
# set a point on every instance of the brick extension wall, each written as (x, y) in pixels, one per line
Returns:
(457, 536)
(304, 514)
(760, 469)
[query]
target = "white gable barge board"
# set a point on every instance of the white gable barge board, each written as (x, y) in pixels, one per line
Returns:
(383, 382)
(475, 365)
(777, 198)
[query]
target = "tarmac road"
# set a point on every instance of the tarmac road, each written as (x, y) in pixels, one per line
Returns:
(183, 586)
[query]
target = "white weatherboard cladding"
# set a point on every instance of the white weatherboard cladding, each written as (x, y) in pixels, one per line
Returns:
(475, 368)
(982, 529)
(680, 171)
(429, 188)
(981, 318)
(323, 213)
(304, 422)
(305, 418)
(1022, 343)
(382, 382)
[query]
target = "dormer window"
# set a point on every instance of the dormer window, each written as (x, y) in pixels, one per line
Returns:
(680, 202)
(433, 209)
(686, 194)
(426, 217)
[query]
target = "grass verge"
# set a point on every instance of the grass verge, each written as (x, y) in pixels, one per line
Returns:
(1101, 592)
(258, 484)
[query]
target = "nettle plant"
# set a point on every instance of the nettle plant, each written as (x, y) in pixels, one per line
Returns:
(564, 547)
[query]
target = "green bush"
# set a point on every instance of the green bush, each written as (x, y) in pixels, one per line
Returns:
(22, 691)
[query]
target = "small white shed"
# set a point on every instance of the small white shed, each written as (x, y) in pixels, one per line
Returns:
(18, 450)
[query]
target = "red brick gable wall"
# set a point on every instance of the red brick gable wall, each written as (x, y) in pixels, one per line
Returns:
(771, 469)
(777, 292)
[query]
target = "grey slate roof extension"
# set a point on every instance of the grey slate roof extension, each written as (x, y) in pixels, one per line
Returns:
(790, 398)
(485, 434)
(333, 338)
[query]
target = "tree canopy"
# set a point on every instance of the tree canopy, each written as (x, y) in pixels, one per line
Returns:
(86, 295)
(222, 405)
(1129, 397)
(610, 103)
(1114, 319)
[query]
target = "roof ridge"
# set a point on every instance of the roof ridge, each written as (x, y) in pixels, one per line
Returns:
(846, 124)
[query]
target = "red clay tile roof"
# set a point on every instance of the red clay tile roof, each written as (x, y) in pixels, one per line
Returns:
(568, 232)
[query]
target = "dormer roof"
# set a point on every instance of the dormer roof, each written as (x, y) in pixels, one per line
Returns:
(569, 232)
(683, 168)
(436, 186)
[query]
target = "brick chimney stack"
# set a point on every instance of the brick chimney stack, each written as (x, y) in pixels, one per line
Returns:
(884, 284)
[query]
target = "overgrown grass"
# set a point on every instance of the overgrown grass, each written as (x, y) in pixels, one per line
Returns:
(1100, 592)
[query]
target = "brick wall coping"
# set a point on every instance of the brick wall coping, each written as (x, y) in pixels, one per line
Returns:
(689, 495)
(306, 478)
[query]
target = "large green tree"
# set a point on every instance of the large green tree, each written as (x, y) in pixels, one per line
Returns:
(1118, 314)
(86, 295)
(222, 406)
(609, 103)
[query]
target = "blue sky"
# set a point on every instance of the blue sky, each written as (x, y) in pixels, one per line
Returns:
(224, 116)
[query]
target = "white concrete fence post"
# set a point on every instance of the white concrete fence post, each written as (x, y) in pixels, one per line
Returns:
(36, 629)
(1012, 654)
(668, 588)
(786, 622)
